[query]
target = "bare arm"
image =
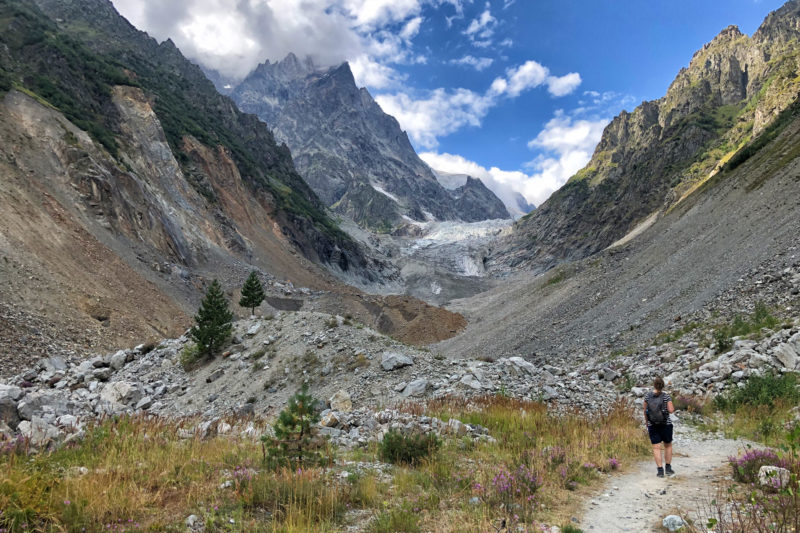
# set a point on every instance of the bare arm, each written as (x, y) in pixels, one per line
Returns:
(645, 413)
(670, 407)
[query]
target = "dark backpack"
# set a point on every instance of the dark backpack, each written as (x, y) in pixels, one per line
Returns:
(655, 409)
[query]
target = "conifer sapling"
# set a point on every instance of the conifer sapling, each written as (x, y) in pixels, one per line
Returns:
(213, 321)
(252, 293)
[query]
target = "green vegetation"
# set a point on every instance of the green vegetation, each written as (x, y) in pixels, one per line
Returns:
(672, 336)
(252, 292)
(294, 444)
(744, 326)
(142, 475)
(760, 391)
(766, 136)
(408, 449)
(190, 356)
(212, 327)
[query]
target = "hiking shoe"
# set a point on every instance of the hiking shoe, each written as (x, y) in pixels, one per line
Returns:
(660, 472)
(669, 471)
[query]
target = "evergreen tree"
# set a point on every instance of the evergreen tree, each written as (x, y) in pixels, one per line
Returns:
(294, 442)
(213, 321)
(252, 293)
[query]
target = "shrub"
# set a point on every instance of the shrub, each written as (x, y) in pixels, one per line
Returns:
(395, 521)
(760, 390)
(408, 449)
(190, 355)
(746, 467)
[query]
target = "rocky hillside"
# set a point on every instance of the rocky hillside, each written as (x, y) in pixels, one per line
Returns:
(353, 155)
(129, 182)
(731, 244)
(514, 202)
(653, 157)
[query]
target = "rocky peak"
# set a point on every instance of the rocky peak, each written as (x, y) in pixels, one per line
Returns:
(780, 26)
(355, 156)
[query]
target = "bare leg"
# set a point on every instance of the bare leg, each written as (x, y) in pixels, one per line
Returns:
(668, 453)
(657, 454)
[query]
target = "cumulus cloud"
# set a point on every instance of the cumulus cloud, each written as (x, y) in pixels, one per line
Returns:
(530, 75)
(439, 113)
(478, 63)
(567, 145)
(433, 114)
(233, 36)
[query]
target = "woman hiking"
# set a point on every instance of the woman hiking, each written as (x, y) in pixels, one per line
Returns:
(657, 408)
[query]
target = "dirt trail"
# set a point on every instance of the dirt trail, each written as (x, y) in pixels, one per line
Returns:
(637, 500)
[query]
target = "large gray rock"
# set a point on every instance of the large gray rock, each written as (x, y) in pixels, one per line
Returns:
(522, 364)
(10, 391)
(39, 432)
(416, 388)
(8, 412)
(341, 401)
(393, 360)
(787, 355)
(471, 381)
(673, 522)
(121, 392)
(53, 364)
(774, 477)
(118, 360)
(37, 403)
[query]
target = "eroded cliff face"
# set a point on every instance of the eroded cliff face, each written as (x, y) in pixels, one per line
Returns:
(354, 156)
(654, 156)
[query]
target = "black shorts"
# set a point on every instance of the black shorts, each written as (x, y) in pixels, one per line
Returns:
(662, 433)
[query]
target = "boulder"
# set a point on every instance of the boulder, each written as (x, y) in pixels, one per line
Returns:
(52, 365)
(121, 392)
(522, 364)
(8, 412)
(39, 432)
(102, 373)
(416, 388)
(215, 375)
(787, 355)
(456, 427)
(118, 360)
(38, 402)
(393, 360)
(773, 476)
(471, 381)
(10, 391)
(673, 522)
(341, 402)
(329, 420)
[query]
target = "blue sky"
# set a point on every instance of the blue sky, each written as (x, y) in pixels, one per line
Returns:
(515, 92)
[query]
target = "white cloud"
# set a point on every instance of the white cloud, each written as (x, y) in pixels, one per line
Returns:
(478, 63)
(564, 85)
(371, 73)
(567, 146)
(481, 29)
(503, 183)
(439, 113)
(234, 36)
(532, 74)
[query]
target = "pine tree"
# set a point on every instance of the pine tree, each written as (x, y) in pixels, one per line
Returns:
(252, 293)
(213, 321)
(294, 442)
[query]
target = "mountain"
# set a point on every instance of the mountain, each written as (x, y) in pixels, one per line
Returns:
(353, 155)
(650, 159)
(128, 183)
(514, 203)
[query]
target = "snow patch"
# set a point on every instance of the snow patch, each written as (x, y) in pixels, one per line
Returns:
(385, 193)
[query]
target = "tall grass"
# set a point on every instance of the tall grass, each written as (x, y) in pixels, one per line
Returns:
(140, 474)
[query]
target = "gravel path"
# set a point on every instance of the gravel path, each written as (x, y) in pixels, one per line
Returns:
(637, 500)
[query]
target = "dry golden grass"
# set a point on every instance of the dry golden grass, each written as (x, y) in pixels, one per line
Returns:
(141, 475)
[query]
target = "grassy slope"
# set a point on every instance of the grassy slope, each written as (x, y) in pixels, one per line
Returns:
(140, 475)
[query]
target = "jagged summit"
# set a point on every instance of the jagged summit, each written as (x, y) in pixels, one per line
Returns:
(355, 156)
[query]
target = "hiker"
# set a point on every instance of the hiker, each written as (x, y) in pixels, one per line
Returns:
(657, 408)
